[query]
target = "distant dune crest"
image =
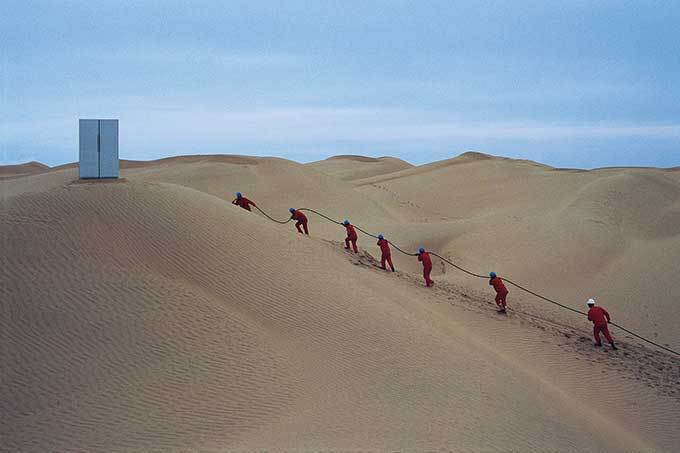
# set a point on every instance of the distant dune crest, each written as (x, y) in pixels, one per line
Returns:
(152, 314)
(28, 168)
(468, 156)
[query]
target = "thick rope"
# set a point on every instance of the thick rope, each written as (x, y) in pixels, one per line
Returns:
(544, 298)
(476, 275)
(320, 215)
(644, 339)
(282, 222)
(458, 267)
(375, 236)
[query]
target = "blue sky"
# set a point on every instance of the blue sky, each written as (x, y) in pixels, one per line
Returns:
(568, 83)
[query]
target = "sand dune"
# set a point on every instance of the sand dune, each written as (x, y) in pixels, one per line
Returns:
(350, 168)
(29, 168)
(275, 184)
(613, 234)
(150, 313)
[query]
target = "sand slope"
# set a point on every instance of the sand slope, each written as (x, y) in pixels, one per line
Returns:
(275, 184)
(150, 313)
(612, 234)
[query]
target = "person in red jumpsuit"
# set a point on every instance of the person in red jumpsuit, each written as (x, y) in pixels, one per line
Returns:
(386, 253)
(427, 266)
(300, 219)
(351, 236)
(600, 318)
(501, 291)
(242, 201)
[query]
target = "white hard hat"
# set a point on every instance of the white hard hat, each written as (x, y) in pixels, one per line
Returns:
(591, 301)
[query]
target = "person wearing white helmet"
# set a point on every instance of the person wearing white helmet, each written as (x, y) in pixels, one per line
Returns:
(600, 318)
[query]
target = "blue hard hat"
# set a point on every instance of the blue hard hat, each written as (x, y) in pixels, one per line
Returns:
(421, 250)
(346, 222)
(380, 236)
(492, 274)
(292, 210)
(238, 194)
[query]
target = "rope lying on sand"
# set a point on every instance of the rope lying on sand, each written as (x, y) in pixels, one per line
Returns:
(505, 279)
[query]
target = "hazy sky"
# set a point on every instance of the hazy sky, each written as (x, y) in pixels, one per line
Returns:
(565, 82)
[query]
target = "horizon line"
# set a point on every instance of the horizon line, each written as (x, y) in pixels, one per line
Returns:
(476, 154)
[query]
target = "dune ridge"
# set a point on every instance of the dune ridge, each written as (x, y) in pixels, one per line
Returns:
(150, 313)
(29, 168)
(351, 168)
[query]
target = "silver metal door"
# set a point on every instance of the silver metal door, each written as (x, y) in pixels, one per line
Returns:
(108, 148)
(88, 148)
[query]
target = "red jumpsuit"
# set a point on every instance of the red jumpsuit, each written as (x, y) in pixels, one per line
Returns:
(351, 237)
(600, 317)
(386, 254)
(501, 291)
(243, 202)
(300, 219)
(427, 267)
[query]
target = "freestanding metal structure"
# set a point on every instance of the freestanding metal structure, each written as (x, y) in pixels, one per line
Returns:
(98, 144)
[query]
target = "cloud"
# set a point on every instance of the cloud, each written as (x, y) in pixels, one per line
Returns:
(363, 124)
(324, 124)
(188, 55)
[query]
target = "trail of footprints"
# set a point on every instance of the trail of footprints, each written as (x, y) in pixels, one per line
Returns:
(656, 369)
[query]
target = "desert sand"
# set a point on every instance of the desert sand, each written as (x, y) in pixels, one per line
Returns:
(149, 313)
(29, 168)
